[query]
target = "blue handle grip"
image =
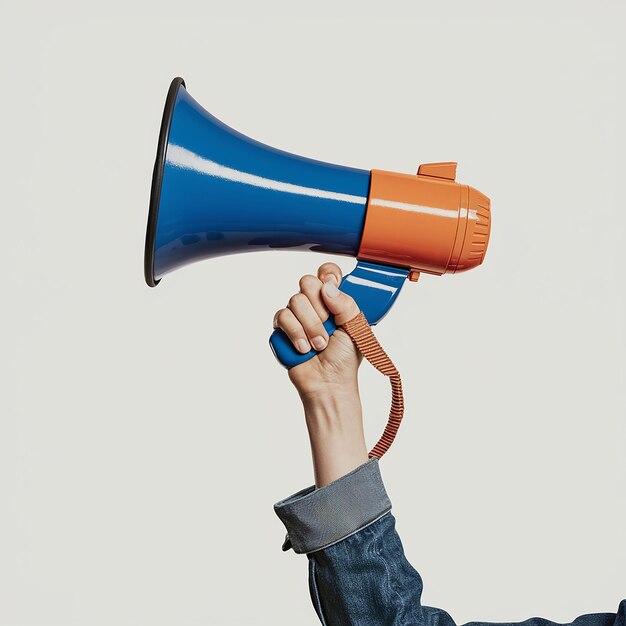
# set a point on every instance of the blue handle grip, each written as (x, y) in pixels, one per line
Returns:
(374, 288)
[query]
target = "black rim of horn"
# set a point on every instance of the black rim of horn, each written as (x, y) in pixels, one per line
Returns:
(157, 179)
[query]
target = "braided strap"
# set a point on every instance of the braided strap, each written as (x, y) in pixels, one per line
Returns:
(358, 329)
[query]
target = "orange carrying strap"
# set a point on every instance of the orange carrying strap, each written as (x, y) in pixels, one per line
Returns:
(358, 329)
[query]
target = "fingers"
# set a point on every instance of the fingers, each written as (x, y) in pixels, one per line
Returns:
(340, 304)
(302, 308)
(302, 319)
(311, 287)
(286, 320)
(329, 269)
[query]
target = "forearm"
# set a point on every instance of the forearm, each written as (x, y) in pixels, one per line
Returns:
(334, 421)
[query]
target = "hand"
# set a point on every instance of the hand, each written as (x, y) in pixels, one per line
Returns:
(335, 367)
(327, 383)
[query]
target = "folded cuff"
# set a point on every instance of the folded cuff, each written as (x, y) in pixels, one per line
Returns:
(318, 518)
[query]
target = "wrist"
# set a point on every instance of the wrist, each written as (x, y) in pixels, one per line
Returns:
(329, 398)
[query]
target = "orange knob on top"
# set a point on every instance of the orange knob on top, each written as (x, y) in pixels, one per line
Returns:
(427, 222)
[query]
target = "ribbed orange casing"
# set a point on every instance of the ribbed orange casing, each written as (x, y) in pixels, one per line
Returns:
(426, 222)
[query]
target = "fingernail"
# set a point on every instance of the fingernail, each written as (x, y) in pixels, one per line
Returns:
(331, 290)
(330, 278)
(318, 342)
(303, 345)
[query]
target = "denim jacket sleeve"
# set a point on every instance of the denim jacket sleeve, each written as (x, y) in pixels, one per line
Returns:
(358, 572)
(318, 518)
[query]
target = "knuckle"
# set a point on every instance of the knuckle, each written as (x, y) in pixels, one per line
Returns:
(281, 316)
(329, 265)
(330, 268)
(315, 328)
(308, 281)
(350, 304)
(296, 299)
(348, 299)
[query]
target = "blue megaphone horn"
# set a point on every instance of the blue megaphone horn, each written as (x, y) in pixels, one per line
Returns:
(217, 192)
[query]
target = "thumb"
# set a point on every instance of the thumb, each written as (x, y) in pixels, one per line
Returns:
(340, 304)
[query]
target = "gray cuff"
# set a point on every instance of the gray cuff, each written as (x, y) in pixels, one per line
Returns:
(318, 518)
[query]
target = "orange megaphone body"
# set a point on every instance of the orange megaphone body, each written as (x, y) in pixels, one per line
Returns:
(428, 223)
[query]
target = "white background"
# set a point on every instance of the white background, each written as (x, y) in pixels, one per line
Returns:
(145, 434)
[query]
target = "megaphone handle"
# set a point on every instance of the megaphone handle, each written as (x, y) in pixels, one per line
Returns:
(374, 288)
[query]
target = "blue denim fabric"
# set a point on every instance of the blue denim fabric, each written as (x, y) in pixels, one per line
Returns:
(358, 573)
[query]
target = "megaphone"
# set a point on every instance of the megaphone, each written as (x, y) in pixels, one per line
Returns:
(217, 192)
